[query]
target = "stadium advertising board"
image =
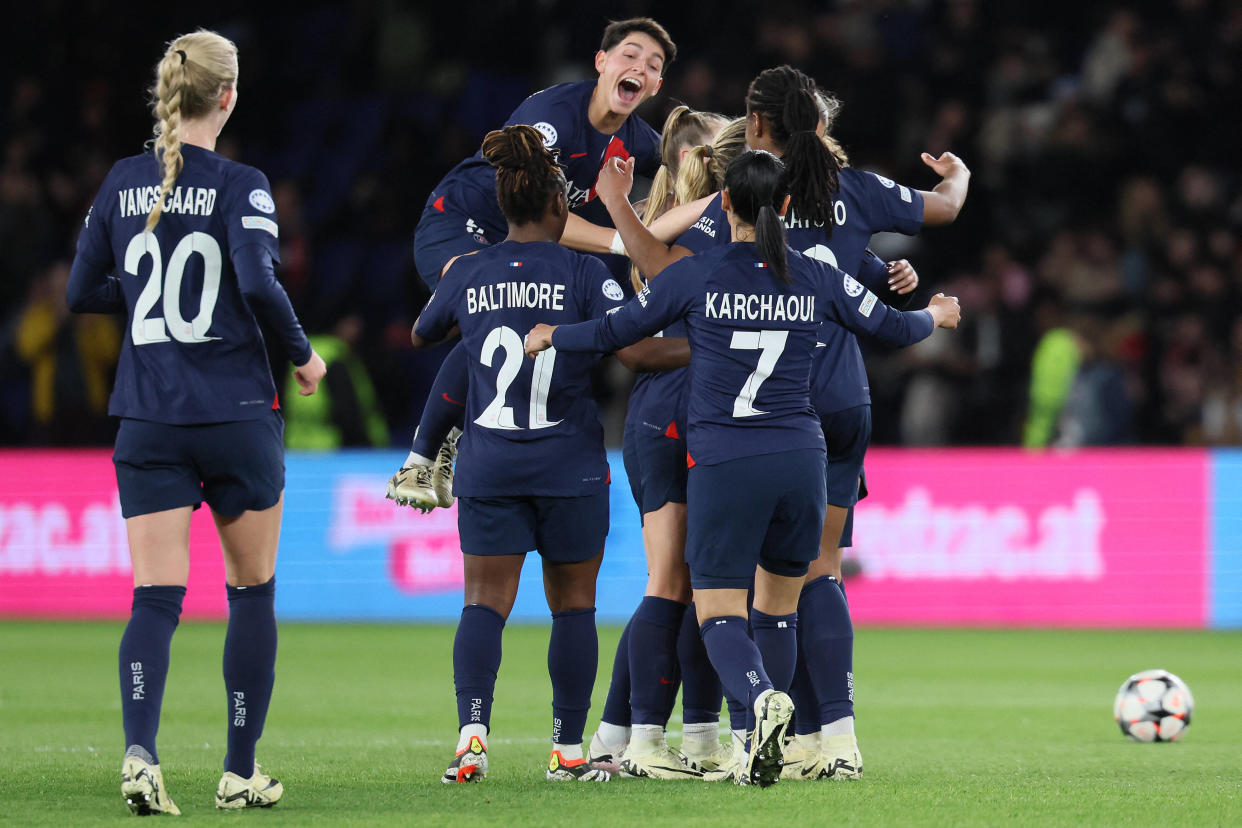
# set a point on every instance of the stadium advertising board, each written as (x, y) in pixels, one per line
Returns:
(1092, 538)
(963, 537)
(63, 547)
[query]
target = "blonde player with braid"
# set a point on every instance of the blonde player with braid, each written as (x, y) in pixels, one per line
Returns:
(183, 241)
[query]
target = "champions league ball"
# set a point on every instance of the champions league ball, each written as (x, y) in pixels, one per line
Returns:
(1153, 706)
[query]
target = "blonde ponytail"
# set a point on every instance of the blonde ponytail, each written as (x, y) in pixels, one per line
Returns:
(189, 80)
(684, 127)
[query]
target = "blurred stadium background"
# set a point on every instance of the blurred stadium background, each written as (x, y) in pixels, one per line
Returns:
(1097, 261)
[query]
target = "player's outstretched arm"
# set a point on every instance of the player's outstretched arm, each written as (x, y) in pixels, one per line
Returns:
(646, 251)
(944, 201)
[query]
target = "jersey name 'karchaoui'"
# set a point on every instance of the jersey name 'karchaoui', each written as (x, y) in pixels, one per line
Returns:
(515, 295)
(762, 307)
(192, 201)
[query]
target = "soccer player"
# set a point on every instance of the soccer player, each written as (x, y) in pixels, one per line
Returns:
(183, 240)
(588, 123)
(752, 309)
(532, 472)
(653, 652)
(834, 211)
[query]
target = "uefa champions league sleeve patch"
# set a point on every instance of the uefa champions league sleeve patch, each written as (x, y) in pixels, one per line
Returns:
(853, 287)
(548, 132)
(261, 200)
(887, 182)
(613, 290)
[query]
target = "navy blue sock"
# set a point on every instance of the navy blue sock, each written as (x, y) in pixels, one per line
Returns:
(476, 658)
(700, 686)
(802, 691)
(573, 657)
(617, 703)
(249, 670)
(143, 662)
(740, 716)
(828, 647)
(446, 403)
(654, 671)
(776, 636)
(736, 659)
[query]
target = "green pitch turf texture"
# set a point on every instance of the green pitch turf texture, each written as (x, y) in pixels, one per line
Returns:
(956, 727)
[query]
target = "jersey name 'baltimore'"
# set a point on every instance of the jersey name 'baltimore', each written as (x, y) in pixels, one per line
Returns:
(533, 425)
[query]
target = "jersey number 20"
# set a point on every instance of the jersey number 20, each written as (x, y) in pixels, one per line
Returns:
(168, 283)
(497, 414)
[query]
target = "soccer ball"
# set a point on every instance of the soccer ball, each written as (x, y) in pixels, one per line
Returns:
(1153, 706)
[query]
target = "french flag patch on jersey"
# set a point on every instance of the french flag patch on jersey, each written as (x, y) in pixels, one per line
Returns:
(515, 264)
(761, 264)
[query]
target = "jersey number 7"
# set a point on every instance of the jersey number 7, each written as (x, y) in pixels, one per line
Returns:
(770, 344)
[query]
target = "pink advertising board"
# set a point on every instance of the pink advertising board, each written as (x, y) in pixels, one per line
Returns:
(1011, 538)
(63, 548)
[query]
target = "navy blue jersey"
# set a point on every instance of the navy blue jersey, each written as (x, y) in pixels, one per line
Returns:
(867, 203)
(751, 343)
(532, 426)
(193, 352)
(560, 114)
(659, 399)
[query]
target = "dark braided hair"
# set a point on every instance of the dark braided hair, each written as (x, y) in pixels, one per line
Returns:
(527, 175)
(788, 101)
(756, 184)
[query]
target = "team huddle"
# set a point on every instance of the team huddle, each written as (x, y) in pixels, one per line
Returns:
(735, 295)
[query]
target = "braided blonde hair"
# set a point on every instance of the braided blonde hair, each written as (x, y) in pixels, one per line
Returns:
(194, 72)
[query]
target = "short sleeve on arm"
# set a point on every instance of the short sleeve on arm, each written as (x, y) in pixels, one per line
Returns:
(439, 315)
(711, 229)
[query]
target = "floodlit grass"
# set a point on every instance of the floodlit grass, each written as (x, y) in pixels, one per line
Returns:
(956, 727)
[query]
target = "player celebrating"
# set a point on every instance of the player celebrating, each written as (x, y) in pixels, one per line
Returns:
(652, 650)
(532, 472)
(834, 211)
(194, 234)
(752, 309)
(587, 123)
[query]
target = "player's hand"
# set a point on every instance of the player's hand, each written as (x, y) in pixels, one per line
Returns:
(539, 339)
(902, 277)
(616, 178)
(309, 375)
(946, 164)
(945, 310)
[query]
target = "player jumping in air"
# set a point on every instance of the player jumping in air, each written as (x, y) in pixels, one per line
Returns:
(588, 123)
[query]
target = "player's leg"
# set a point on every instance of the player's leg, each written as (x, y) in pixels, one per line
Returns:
(656, 625)
(496, 534)
(804, 750)
(570, 538)
(613, 733)
(425, 480)
(243, 472)
(701, 696)
(158, 490)
(725, 532)
(827, 632)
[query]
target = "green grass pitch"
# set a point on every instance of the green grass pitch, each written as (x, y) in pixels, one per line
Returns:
(957, 727)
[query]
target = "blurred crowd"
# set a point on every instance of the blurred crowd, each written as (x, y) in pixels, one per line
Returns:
(1097, 258)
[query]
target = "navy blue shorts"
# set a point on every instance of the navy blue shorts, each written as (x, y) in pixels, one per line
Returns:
(767, 510)
(847, 434)
(236, 467)
(656, 467)
(561, 529)
(443, 234)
